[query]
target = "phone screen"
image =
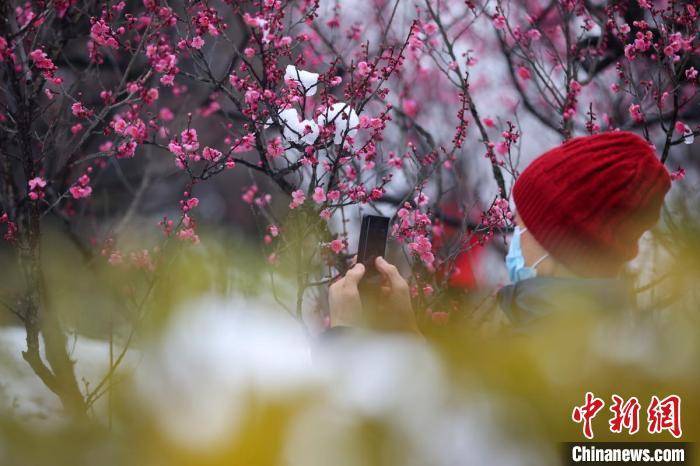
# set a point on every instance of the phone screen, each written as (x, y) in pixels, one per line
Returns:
(373, 235)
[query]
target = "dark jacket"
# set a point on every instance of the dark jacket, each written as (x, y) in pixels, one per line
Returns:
(529, 300)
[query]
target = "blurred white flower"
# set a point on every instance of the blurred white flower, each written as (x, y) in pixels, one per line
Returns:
(306, 79)
(211, 356)
(344, 118)
(381, 375)
(398, 382)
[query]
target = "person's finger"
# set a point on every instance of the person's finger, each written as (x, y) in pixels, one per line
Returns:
(386, 290)
(353, 260)
(335, 278)
(355, 274)
(336, 284)
(389, 271)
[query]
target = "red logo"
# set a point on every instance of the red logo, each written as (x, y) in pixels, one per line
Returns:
(586, 412)
(625, 415)
(662, 414)
(665, 415)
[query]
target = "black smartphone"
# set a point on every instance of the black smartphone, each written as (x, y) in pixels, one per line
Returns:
(372, 243)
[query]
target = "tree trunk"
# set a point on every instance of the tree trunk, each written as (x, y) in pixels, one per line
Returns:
(38, 317)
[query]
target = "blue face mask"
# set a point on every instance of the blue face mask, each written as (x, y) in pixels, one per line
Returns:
(515, 261)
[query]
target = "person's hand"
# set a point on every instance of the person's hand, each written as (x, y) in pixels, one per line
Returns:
(398, 311)
(344, 298)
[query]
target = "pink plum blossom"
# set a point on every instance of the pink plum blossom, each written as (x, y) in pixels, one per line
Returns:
(319, 196)
(499, 21)
(337, 245)
(298, 198)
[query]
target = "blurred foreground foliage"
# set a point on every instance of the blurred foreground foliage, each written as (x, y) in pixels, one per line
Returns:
(515, 389)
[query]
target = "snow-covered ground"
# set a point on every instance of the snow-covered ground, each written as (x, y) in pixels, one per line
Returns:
(21, 391)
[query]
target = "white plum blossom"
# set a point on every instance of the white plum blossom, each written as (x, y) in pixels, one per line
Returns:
(306, 79)
(344, 118)
(295, 130)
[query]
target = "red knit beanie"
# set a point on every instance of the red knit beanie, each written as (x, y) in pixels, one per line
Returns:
(588, 201)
